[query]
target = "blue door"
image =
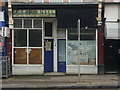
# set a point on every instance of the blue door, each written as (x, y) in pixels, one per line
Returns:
(61, 55)
(48, 55)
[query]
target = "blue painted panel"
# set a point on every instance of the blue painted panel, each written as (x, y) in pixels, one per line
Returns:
(61, 66)
(2, 24)
(61, 55)
(48, 55)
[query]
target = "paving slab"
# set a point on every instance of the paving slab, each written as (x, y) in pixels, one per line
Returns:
(62, 81)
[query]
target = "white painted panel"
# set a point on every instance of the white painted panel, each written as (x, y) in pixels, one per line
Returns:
(111, 12)
(119, 11)
(119, 22)
(73, 69)
(27, 70)
(116, 0)
(55, 45)
(119, 31)
(61, 34)
(111, 30)
(1, 16)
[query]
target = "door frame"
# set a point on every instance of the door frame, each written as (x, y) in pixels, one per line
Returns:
(63, 62)
(54, 37)
(65, 37)
(48, 59)
(111, 43)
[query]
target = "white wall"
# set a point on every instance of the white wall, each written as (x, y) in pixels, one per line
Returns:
(112, 13)
(27, 70)
(119, 22)
(111, 30)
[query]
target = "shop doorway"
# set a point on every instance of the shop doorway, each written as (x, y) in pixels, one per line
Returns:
(112, 55)
(48, 55)
(48, 47)
(62, 55)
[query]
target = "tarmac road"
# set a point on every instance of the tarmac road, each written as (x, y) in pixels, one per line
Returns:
(61, 89)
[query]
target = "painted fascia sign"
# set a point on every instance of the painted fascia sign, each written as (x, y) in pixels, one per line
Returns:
(34, 13)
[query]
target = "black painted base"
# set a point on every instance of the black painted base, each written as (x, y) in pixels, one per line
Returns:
(101, 69)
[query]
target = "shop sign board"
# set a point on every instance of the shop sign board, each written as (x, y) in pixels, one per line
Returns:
(34, 13)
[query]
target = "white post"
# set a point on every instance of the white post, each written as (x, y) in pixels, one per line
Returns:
(79, 50)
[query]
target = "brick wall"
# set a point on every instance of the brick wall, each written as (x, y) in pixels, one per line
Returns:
(9, 47)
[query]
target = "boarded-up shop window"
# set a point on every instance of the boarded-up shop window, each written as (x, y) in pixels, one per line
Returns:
(35, 56)
(20, 56)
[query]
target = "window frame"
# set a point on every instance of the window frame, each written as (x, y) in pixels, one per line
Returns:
(96, 51)
(27, 47)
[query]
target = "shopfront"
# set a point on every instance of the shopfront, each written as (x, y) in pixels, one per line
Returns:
(44, 39)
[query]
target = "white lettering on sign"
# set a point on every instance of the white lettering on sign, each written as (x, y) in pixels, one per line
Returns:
(34, 13)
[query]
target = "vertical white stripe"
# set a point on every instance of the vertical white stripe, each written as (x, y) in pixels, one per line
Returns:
(42, 42)
(27, 46)
(66, 46)
(55, 45)
(12, 46)
(96, 47)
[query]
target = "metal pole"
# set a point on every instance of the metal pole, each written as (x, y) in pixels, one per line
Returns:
(79, 50)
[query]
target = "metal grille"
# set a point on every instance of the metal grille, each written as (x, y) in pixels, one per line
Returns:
(5, 66)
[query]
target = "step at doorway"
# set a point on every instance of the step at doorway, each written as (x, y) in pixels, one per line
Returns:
(54, 73)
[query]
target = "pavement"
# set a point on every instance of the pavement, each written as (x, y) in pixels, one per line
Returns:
(105, 81)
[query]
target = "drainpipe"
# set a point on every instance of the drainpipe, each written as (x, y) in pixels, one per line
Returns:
(9, 40)
(100, 38)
